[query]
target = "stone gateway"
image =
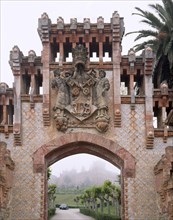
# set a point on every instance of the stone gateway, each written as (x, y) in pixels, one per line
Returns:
(105, 107)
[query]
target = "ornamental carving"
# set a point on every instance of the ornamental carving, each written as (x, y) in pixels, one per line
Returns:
(6, 177)
(81, 98)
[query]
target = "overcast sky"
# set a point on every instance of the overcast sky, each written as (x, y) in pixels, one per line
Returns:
(19, 22)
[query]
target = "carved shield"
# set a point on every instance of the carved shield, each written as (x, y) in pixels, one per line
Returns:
(81, 97)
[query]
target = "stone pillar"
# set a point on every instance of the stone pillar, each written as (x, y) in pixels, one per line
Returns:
(15, 63)
(100, 50)
(10, 112)
(60, 27)
(73, 28)
(44, 25)
(116, 59)
(4, 111)
(100, 27)
(31, 59)
(148, 67)
(86, 27)
(132, 60)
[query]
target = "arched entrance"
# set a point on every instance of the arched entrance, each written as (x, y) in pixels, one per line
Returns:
(75, 143)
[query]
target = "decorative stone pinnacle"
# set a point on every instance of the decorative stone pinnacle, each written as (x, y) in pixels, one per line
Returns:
(79, 55)
(132, 56)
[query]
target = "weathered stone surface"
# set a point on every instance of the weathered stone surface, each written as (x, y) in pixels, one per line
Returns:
(164, 183)
(6, 181)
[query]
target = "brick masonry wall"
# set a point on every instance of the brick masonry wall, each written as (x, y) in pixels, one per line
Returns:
(140, 193)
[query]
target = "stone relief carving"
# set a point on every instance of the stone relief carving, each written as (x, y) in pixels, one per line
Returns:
(6, 176)
(81, 99)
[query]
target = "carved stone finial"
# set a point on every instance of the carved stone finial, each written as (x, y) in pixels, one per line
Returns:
(79, 55)
(15, 58)
(148, 52)
(44, 16)
(131, 55)
(44, 21)
(115, 20)
(31, 56)
(100, 22)
(60, 23)
(15, 54)
(115, 14)
(73, 23)
(44, 24)
(164, 88)
(3, 87)
(86, 23)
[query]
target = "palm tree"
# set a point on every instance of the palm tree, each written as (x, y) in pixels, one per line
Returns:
(160, 39)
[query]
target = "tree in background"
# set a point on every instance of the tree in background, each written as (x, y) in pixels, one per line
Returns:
(48, 173)
(108, 192)
(51, 195)
(160, 39)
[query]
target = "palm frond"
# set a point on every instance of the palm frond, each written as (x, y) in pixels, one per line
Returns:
(168, 5)
(159, 10)
(141, 46)
(161, 39)
(132, 32)
(146, 33)
(150, 17)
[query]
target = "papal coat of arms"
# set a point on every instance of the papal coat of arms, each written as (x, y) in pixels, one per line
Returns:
(81, 94)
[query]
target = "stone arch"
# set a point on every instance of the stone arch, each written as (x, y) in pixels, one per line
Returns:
(74, 143)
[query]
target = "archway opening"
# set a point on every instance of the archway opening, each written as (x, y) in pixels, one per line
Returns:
(76, 143)
(87, 182)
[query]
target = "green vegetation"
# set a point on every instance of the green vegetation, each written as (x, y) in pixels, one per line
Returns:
(160, 39)
(51, 196)
(67, 198)
(101, 201)
(98, 216)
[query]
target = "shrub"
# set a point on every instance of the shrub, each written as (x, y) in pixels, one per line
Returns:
(51, 212)
(88, 212)
(98, 216)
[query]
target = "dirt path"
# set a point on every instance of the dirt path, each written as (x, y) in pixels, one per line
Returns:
(70, 214)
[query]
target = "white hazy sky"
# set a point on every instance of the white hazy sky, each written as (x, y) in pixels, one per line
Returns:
(78, 162)
(19, 22)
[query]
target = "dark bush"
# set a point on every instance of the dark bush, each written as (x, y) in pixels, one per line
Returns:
(51, 212)
(98, 216)
(88, 212)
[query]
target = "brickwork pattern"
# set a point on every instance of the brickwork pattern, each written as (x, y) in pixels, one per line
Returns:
(140, 193)
(29, 187)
